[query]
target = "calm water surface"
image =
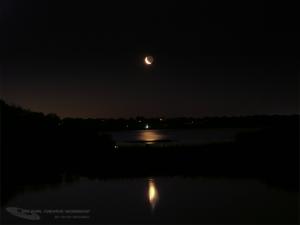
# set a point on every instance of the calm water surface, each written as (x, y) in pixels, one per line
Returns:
(175, 137)
(159, 200)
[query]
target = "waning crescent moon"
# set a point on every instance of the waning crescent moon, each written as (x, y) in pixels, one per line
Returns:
(147, 61)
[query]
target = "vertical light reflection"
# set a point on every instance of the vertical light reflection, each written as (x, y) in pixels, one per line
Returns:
(152, 193)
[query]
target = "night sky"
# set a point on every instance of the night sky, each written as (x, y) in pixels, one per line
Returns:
(211, 58)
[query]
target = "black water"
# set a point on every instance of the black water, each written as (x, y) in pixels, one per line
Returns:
(183, 137)
(171, 200)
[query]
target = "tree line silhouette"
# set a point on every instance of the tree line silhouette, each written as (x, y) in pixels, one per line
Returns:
(38, 148)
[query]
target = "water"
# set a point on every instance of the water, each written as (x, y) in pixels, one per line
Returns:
(175, 137)
(157, 200)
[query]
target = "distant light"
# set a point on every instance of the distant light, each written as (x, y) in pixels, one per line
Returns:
(147, 126)
(161, 119)
(116, 146)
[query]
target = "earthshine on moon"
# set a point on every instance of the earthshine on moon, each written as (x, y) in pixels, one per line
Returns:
(149, 60)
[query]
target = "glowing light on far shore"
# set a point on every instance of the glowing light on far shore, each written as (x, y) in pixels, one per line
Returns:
(147, 126)
(150, 136)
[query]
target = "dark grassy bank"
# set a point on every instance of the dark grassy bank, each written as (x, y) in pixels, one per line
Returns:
(37, 149)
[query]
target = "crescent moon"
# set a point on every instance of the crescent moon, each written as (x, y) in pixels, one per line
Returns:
(147, 61)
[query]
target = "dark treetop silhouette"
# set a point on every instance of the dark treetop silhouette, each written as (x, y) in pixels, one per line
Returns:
(44, 147)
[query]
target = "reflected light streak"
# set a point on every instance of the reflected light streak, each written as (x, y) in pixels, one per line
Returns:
(152, 193)
(150, 136)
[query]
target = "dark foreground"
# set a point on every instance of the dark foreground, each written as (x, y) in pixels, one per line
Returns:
(36, 152)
